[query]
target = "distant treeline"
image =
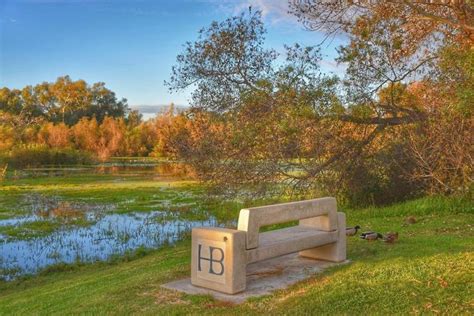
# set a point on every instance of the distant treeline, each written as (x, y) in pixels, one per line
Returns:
(65, 101)
(73, 122)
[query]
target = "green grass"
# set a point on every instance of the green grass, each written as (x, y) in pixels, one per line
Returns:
(28, 230)
(127, 193)
(429, 270)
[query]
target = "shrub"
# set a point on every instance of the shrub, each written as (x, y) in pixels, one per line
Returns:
(40, 155)
(3, 171)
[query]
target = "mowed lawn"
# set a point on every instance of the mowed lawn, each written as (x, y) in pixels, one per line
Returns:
(429, 270)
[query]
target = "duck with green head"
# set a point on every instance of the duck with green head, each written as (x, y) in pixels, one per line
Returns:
(352, 231)
(371, 236)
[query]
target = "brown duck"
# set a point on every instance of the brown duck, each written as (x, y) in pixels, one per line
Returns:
(410, 220)
(391, 237)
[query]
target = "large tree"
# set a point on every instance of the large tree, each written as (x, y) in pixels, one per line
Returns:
(271, 122)
(409, 63)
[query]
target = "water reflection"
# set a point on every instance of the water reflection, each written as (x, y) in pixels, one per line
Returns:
(113, 234)
(154, 170)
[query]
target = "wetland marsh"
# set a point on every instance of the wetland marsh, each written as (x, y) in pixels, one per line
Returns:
(54, 216)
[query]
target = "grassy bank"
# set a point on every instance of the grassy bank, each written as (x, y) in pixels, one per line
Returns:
(428, 271)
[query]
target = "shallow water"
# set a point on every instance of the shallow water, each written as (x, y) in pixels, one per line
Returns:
(89, 231)
(112, 234)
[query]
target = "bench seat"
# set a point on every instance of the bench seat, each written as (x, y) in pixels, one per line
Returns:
(289, 240)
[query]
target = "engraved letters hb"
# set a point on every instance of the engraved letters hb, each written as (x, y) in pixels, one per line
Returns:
(212, 259)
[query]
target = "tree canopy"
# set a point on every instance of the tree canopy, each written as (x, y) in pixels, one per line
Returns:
(288, 123)
(64, 101)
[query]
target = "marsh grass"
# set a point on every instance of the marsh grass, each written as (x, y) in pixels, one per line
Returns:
(114, 192)
(40, 228)
(29, 229)
(118, 193)
(428, 271)
(130, 194)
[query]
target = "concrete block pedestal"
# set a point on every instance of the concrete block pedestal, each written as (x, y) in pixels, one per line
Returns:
(218, 259)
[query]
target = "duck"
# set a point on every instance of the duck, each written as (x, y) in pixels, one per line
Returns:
(351, 231)
(366, 233)
(371, 236)
(410, 220)
(391, 237)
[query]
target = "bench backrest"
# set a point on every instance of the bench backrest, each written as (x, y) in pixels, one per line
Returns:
(321, 213)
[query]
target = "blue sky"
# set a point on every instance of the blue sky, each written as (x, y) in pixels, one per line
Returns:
(130, 45)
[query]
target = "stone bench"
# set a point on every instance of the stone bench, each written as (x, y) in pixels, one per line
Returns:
(220, 255)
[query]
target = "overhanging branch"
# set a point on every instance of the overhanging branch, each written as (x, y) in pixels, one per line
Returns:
(386, 121)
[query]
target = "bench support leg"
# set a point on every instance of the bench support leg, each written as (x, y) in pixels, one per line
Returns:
(335, 252)
(218, 259)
